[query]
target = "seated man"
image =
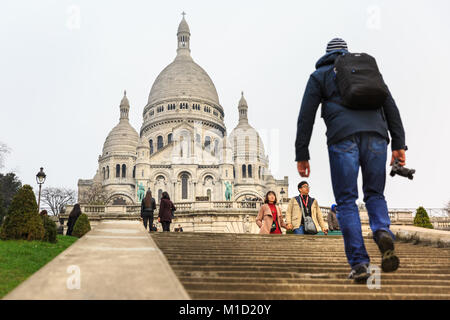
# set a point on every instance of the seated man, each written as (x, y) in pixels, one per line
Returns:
(294, 215)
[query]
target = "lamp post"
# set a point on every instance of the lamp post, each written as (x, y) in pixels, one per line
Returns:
(40, 179)
(282, 194)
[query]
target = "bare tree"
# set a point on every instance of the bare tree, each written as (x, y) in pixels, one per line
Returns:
(57, 198)
(3, 151)
(94, 195)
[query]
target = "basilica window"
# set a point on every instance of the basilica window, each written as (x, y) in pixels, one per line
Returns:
(207, 109)
(160, 109)
(196, 106)
(183, 105)
(244, 173)
(234, 173)
(124, 171)
(160, 142)
(197, 138)
(169, 138)
(134, 172)
(207, 143)
(208, 193)
(104, 173)
(118, 171)
(215, 113)
(249, 170)
(151, 146)
(184, 186)
(259, 172)
(171, 106)
(107, 172)
(152, 112)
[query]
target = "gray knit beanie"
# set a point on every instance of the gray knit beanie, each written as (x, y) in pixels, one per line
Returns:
(336, 44)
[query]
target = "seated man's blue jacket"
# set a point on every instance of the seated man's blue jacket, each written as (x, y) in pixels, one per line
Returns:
(341, 122)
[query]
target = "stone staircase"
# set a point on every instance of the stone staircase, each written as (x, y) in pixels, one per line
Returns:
(252, 266)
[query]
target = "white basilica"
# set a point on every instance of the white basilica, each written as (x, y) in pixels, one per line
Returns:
(183, 147)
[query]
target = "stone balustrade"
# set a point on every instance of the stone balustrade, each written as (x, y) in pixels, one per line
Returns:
(242, 208)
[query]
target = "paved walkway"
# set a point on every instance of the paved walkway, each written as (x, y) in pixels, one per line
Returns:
(115, 260)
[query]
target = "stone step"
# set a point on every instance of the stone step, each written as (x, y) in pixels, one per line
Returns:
(396, 281)
(306, 275)
(268, 295)
(295, 262)
(273, 286)
(296, 259)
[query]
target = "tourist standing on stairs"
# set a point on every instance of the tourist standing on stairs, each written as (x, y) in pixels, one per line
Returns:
(270, 219)
(357, 136)
(148, 206)
(166, 209)
(301, 207)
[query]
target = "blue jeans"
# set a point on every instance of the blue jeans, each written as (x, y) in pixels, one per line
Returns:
(368, 150)
(299, 230)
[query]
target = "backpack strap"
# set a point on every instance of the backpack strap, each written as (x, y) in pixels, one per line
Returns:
(301, 206)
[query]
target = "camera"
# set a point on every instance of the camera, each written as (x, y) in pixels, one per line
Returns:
(402, 171)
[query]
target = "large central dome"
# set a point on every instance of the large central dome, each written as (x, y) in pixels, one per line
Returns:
(183, 78)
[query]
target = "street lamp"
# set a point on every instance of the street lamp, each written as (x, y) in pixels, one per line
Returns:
(40, 179)
(282, 195)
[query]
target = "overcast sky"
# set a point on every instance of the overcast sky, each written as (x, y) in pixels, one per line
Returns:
(64, 66)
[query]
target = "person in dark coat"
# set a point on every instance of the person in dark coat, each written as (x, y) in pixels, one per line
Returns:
(355, 138)
(148, 206)
(73, 216)
(166, 208)
(332, 219)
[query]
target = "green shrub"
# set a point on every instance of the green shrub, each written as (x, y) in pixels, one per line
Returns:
(50, 229)
(22, 220)
(289, 231)
(82, 226)
(421, 219)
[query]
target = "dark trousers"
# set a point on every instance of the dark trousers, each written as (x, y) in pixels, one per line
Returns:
(166, 225)
(147, 217)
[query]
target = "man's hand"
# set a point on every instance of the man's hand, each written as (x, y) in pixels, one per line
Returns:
(159, 219)
(289, 226)
(325, 231)
(400, 155)
(303, 168)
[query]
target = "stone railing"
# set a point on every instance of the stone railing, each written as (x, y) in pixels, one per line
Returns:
(397, 216)
(441, 223)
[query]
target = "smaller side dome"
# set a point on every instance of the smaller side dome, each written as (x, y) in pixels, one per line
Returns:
(123, 138)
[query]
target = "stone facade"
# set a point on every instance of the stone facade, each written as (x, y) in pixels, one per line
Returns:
(183, 147)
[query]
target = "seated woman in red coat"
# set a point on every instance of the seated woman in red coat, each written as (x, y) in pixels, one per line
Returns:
(270, 219)
(166, 208)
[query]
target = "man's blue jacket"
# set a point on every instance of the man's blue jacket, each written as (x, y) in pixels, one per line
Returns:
(341, 122)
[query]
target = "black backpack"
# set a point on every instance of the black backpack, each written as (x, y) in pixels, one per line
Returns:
(359, 81)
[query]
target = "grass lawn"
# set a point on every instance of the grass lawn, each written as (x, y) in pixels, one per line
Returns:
(19, 259)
